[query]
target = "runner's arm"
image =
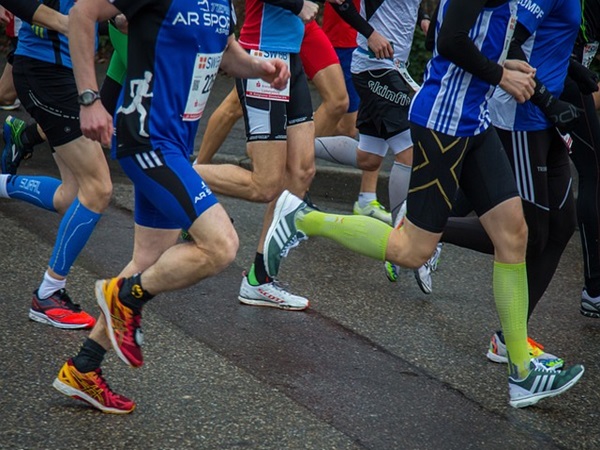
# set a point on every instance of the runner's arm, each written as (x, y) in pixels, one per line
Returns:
(238, 63)
(454, 43)
(348, 12)
(36, 13)
(95, 121)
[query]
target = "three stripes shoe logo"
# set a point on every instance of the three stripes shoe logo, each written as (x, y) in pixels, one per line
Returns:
(282, 235)
(542, 383)
(149, 160)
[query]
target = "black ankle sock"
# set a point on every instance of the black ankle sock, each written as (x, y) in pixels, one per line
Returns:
(259, 269)
(132, 293)
(31, 137)
(90, 356)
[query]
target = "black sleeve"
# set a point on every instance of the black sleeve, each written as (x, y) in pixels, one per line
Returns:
(23, 9)
(520, 36)
(295, 6)
(130, 9)
(455, 44)
(430, 38)
(347, 11)
(422, 15)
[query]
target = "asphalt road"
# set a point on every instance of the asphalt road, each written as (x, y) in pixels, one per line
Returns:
(371, 365)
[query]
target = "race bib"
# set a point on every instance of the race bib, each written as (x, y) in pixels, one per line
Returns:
(567, 140)
(403, 70)
(203, 79)
(510, 31)
(257, 88)
(589, 52)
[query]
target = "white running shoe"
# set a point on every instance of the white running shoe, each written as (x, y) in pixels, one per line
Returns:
(423, 273)
(271, 294)
(373, 209)
(392, 270)
(590, 306)
(12, 107)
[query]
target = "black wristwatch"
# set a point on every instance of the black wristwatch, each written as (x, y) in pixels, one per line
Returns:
(87, 97)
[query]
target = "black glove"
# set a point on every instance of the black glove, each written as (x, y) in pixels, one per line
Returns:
(563, 115)
(586, 79)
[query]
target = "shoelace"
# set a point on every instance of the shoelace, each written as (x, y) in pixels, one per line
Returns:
(279, 285)
(542, 368)
(103, 384)
(292, 243)
(67, 302)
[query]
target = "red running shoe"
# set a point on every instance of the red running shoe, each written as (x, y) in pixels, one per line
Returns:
(59, 311)
(124, 324)
(92, 388)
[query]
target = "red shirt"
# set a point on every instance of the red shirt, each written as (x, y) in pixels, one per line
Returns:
(337, 30)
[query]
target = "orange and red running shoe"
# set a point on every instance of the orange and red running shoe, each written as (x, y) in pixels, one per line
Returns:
(123, 323)
(92, 388)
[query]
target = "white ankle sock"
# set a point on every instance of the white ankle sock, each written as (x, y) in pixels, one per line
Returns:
(50, 285)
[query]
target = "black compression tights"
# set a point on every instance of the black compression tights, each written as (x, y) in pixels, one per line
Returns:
(586, 158)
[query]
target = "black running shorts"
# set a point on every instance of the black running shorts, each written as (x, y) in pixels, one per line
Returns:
(49, 94)
(384, 103)
(442, 163)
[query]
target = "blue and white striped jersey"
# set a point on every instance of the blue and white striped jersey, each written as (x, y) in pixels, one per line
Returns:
(453, 101)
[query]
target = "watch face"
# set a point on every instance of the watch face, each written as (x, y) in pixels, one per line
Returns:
(87, 97)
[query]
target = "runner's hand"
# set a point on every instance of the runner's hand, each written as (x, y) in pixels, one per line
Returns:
(518, 83)
(96, 123)
(309, 11)
(380, 46)
(274, 71)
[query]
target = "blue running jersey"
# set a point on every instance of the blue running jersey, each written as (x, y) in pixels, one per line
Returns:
(273, 28)
(174, 52)
(45, 45)
(453, 101)
(553, 25)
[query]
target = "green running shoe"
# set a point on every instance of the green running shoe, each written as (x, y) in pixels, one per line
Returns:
(283, 235)
(542, 382)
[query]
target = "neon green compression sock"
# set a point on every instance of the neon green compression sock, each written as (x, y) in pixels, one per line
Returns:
(511, 296)
(360, 234)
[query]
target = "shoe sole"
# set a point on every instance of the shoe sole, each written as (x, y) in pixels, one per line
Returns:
(101, 300)
(587, 313)
(43, 318)
(390, 275)
(530, 400)
(254, 302)
(496, 358)
(69, 391)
